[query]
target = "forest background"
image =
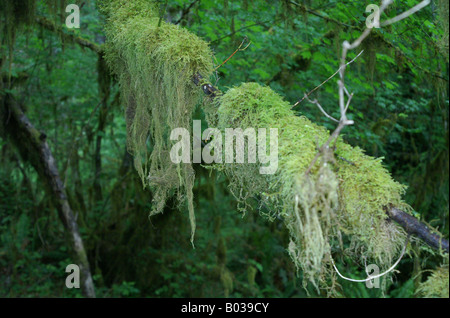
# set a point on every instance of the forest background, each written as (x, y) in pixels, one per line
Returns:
(400, 108)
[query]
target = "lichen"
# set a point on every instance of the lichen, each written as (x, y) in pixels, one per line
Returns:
(338, 198)
(437, 284)
(155, 65)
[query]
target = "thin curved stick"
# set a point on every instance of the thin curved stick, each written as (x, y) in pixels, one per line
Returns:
(334, 74)
(406, 14)
(372, 277)
(237, 50)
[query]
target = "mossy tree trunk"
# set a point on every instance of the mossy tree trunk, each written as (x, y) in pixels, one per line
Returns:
(33, 148)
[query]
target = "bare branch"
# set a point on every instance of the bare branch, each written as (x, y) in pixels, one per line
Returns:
(414, 227)
(317, 14)
(406, 14)
(306, 95)
(51, 26)
(320, 107)
(33, 148)
(348, 102)
(237, 50)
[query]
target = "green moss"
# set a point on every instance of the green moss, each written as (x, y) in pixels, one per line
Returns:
(337, 199)
(155, 66)
(437, 284)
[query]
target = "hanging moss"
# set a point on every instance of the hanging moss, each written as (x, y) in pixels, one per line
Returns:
(19, 13)
(371, 46)
(337, 199)
(251, 275)
(155, 66)
(437, 285)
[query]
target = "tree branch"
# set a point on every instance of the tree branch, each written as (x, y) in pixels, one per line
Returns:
(414, 227)
(51, 26)
(313, 12)
(33, 147)
(409, 223)
(186, 11)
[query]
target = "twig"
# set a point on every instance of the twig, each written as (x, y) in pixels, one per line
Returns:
(346, 160)
(238, 49)
(410, 60)
(406, 14)
(348, 102)
(306, 95)
(272, 23)
(313, 12)
(320, 107)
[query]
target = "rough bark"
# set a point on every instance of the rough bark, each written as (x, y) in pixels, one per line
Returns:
(33, 148)
(416, 228)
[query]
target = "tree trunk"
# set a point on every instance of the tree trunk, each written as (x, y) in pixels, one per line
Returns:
(33, 147)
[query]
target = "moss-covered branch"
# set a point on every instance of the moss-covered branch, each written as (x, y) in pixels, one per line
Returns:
(160, 67)
(408, 222)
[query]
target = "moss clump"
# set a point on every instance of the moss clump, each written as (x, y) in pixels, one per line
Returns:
(437, 285)
(336, 200)
(155, 65)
